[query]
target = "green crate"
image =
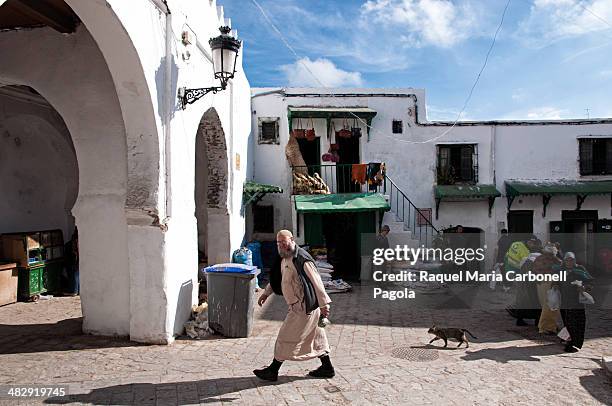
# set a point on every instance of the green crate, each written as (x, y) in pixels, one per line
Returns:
(31, 281)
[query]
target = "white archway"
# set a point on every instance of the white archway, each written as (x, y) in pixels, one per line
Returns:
(211, 190)
(94, 78)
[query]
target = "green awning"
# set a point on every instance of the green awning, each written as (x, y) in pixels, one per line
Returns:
(516, 188)
(346, 202)
(331, 112)
(548, 189)
(460, 193)
(448, 192)
(253, 191)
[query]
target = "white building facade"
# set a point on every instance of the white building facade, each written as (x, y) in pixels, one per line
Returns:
(486, 160)
(93, 135)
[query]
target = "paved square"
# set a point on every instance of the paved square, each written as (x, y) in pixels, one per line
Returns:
(41, 343)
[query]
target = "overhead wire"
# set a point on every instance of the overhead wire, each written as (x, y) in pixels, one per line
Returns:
(331, 94)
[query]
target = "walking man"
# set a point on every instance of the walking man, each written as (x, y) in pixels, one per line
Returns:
(299, 338)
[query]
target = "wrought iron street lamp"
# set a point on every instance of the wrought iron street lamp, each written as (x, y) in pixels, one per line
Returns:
(224, 54)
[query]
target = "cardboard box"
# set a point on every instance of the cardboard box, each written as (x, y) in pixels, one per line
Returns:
(13, 249)
(8, 283)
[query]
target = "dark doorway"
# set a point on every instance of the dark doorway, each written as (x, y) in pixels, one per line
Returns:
(348, 149)
(603, 246)
(461, 237)
(520, 222)
(311, 152)
(579, 227)
(342, 233)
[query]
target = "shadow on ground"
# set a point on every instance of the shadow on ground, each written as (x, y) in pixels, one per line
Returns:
(593, 384)
(475, 308)
(181, 393)
(65, 335)
(508, 354)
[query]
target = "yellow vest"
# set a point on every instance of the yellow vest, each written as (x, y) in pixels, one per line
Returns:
(516, 253)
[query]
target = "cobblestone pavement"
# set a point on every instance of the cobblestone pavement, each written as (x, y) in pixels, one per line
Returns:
(40, 343)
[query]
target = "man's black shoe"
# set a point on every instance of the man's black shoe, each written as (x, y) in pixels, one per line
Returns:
(322, 372)
(569, 348)
(521, 322)
(267, 374)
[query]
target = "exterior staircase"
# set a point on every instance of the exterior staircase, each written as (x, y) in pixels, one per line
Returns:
(408, 225)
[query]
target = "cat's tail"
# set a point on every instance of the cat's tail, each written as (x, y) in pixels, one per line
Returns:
(473, 336)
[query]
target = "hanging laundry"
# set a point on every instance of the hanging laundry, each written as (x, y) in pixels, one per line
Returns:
(359, 173)
(373, 170)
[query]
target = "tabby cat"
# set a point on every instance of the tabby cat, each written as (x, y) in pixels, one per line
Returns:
(446, 333)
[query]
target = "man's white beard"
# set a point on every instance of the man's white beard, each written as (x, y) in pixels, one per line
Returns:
(286, 253)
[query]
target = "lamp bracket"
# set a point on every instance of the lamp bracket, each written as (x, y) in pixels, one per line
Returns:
(190, 96)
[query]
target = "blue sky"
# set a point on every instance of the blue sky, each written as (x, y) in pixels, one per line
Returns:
(552, 58)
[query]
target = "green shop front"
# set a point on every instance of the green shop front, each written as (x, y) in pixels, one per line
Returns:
(338, 222)
(582, 231)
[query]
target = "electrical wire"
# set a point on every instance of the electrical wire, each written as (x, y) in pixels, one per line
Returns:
(594, 15)
(331, 94)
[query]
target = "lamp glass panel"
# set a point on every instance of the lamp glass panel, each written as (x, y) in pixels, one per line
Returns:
(229, 59)
(216, 57)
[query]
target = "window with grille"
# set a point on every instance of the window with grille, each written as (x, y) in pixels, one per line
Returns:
(398, 126)
(263, 219)
(457, 164)
(596, 156)
(268, 130)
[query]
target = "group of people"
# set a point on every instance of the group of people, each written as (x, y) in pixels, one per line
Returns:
(532, 298)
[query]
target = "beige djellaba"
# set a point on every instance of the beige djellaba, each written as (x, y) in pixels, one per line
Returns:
(300, 338)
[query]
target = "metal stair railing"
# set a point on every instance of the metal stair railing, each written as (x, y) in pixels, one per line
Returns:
(405, 211)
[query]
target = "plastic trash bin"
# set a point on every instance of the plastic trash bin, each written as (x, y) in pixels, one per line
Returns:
(231, 298)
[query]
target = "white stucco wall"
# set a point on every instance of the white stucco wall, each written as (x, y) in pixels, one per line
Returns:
(37, 165)
(52, 64)
(231, 106)
(505, 151)
(115, 83)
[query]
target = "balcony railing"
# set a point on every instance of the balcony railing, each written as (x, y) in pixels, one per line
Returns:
(338, 178)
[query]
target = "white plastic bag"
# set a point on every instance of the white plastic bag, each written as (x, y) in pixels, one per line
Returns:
(586, 298)
(553, 297)
(564, 334)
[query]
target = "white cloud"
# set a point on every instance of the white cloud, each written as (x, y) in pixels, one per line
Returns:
(553, 20)
(421, 23)
(319, 73)
(545, 113)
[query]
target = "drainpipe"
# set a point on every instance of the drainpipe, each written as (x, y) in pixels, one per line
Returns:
(494, 170)
(168, 100)
(493, 146)
(232, 164)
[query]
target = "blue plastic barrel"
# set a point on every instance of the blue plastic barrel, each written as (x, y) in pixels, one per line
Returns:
(255, 248)
(243, 256)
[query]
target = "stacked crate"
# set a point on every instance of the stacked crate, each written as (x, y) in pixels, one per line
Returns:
(39, 258)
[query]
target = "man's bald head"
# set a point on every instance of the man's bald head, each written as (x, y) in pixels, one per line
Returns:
(285, 244)
(284, 233)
